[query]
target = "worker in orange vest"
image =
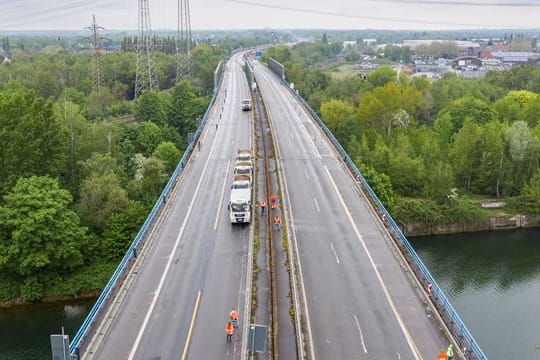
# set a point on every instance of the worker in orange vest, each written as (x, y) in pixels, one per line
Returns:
(229, 330)
(263, 206)
(442, 355)
(273, 201)
(276, 223)
(234, 318)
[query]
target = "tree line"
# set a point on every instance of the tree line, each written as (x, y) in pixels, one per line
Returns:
(81, 167)
(430, 148)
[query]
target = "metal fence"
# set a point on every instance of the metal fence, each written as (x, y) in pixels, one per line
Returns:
(128, 260)
(457, 327)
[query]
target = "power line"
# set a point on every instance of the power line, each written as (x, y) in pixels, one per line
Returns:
(461, 3)
(43, 14)
(365, 17)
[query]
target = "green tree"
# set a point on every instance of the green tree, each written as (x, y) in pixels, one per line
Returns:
(380, 183)
(99, 102)
(381, 76)
(523, 150)
(169, 154)
(39, 233)
(152, 106)
(464, 153)
(532, 188)
(469, 107)
(388, 107)
(100, 197)
(185, 108)
(33, 141)
(154, 178)
(493, 163)
(120, 230)
(339, 117)
(510, 107)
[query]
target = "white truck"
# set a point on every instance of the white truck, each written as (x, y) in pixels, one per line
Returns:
(246, 104)
(240, 204)
(243, 155)
(241, 189)
(243, 168)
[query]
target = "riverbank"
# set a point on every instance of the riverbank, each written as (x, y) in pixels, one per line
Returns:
(502, 222)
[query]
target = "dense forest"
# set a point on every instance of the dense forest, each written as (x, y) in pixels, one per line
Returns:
(430, 150)
(82, 166)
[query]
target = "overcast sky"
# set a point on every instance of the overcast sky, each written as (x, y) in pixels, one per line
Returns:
(281, 14)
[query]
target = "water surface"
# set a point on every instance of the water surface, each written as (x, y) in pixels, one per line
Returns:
(493, 281)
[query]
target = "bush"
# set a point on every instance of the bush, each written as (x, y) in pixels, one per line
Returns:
(524, 204)
(32, 289)
(9, 289)
(409, 210)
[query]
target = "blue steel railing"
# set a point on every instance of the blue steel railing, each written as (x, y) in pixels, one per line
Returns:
(131, 253)
(462, 335)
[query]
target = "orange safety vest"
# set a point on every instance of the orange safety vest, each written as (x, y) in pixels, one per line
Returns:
(442, 356)
(234, 315)
(276, 220)
(229, 330)
(272, 198)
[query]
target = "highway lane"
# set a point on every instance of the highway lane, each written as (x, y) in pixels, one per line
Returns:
(194, 271)
(359, 302)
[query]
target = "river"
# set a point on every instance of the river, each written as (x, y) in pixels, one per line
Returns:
(493, 281)
(25, 330)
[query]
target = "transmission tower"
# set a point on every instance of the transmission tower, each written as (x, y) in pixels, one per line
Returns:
(184, 41)
(146, 73)
(96, 45)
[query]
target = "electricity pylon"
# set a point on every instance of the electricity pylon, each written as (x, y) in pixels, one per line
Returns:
(96, 45)
(184, 41)
(146, 73)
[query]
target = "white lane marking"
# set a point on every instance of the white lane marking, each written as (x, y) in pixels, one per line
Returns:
(334, 251)
(305, 172)
(296, 296)
(361, 334)
(298, 151)
(404, 330)
(316, 204)
(222, 194)
(169, 262)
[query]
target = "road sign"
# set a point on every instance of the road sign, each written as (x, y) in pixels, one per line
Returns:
(257, 338)
(258, 53)
(60, 347)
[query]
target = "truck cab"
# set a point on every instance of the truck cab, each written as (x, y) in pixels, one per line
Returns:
(246, 104)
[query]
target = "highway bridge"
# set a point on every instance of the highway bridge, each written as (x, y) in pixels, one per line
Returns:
(353, 292)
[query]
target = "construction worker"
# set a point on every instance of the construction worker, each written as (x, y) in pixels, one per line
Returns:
(276, 223)
(450, 352)
(441, 356)
(429, 289)
(229, 330)
(234, 318)
(273, 201)
(263, 206)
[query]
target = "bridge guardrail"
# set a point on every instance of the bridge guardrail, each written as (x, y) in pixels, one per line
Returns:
(459, 330)
(123, 268)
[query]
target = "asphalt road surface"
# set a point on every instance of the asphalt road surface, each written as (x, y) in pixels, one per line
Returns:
(359, 302)
(194, 272)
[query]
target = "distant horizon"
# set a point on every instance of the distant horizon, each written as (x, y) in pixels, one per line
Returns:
(229, 15)
(276, 29)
